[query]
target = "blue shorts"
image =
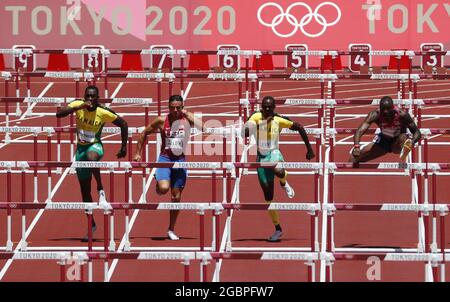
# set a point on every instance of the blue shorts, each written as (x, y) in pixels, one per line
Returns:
(384, 142)
(177, 177)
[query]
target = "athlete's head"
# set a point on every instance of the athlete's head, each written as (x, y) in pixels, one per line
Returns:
(387, 108)
(91, 96)
(176, 106)
(268, 106)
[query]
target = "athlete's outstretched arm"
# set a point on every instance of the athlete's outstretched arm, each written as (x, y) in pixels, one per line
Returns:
(413, 128)
(154, 126)
(371, 118)
(120, 122)
(298, 127)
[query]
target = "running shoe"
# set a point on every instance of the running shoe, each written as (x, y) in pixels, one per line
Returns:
(172, 235)
(275, 237)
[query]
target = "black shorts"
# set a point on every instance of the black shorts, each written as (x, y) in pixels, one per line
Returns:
(384, 141)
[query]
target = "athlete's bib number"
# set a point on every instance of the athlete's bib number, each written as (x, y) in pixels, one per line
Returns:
(86, 136)
(174, 144)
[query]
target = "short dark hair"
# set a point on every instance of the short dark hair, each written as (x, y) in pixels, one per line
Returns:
(386, 101)
(175, 98)
(268, 98)
(91, 87)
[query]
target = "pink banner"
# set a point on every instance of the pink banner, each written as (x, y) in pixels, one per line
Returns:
(196, 24)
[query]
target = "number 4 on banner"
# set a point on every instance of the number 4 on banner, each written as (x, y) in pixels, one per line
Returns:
(360, 56)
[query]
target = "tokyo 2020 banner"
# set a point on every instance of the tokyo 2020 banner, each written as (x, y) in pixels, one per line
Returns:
(252, 24)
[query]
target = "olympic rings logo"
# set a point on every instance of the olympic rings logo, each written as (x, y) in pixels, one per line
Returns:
(299, 24)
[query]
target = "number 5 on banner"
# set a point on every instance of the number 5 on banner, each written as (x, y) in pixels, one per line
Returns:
(228, 61)
(358, 60)
(294, 60)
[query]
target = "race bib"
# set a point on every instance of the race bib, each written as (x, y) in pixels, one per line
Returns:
(86, 136)
(267, 145)
(175, 144)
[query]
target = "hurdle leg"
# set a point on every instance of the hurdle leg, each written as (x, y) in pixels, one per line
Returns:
(62, 271)
(18, 110)
(112, 243)
(9, 243)
(105, 270)
(127, 244)
(23, 241)
(442, 242)
(204, 270)
(311, 271)
(90, 271)
(35, 158)
(186, 265)
(202, 229)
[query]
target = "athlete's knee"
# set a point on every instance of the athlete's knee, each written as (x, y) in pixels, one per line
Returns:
(93, 156)
(162, 188)
(176, 198)
(279, 172)
(268, 195)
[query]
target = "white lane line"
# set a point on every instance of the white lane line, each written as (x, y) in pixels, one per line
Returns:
(131, 224)
(33, 223)
(116, 91)
(22, 117)
(136, 212)
(188, 89)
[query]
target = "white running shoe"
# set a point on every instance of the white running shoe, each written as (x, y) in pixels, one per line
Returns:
(275, 237)
(102, 200)
(289, 190)
(172, 235)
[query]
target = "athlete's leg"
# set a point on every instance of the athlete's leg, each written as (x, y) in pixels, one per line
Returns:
(93, 156)
(178, 182)
(266, 181)
(84, 177)
(368, 153)
(397, 145)
(162, 187)
(173, 215)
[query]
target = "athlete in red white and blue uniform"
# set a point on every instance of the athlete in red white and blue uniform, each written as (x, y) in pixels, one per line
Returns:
(393, 137)
(175, 131)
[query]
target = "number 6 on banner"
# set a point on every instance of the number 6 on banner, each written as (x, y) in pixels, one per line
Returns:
(363, 58)
(228, 61)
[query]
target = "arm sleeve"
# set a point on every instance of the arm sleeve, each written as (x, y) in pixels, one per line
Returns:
(108, 116)
(254, 118)
(75, 103)
(285, 123)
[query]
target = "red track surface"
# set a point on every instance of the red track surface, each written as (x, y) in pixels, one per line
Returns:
(249, 228)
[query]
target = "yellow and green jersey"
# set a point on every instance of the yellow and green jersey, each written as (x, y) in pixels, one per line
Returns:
(268, 134)
(90, 123)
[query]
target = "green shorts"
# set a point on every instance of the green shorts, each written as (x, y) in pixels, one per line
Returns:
(266, 175)
(82, 155)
